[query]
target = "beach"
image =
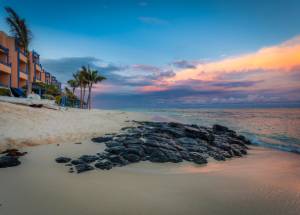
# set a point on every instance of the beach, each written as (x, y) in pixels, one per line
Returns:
(265, 181)
(25, 126)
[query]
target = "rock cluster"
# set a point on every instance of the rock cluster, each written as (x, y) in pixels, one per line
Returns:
(162, 142)
(11, 158)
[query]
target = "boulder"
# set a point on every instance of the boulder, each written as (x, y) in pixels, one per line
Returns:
(115, 149)
(89, 158)
(198, 158)
(101, 139)
(220, 129)
(83, 167)
(9, 161)
(131, 157)
(78, 161)
(104, 164)
(158, 156)
(63, 160)
(117, 160)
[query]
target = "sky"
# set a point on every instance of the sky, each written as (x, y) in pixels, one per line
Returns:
(171, 53)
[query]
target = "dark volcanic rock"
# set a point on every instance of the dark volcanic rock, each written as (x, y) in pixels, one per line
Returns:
(104, 164)
(9, 161)
(102, 139)
(83, 167)
(220, 129)
(89, 158)
(158, 156)
(165, 142)
(13, 153)
(198, 158)
(63, 160)
(117, 160)
(131, 157)
(76, 162)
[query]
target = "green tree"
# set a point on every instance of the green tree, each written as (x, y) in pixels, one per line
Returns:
(23, 36)
(73, 83)
(92, 78)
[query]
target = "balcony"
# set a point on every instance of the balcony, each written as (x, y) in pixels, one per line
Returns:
(38, 67)
(5, 67)
(23, 74)
(22, 57)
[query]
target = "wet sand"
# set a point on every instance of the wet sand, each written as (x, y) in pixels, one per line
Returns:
(263, 182)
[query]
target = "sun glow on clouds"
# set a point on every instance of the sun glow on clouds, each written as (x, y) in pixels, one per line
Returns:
(283, 58)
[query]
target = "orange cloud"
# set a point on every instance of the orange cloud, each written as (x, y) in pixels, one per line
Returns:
(282, 57)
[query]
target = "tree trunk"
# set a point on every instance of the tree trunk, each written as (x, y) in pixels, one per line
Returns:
(80, 96)
(83, 95)
(73, 90)
(90, 97)
(29, 84)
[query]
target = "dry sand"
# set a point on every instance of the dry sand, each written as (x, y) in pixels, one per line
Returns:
(26, 126)
(263, 182)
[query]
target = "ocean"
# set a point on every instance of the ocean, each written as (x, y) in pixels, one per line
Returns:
(277, 128)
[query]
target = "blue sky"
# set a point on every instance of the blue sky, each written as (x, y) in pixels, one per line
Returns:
(135, 42)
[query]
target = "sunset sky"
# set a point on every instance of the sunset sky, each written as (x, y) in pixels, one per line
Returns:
(172, 53)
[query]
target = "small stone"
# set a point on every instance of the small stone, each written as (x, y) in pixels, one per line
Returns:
(9, 161)
(83, 167)
(63, 160)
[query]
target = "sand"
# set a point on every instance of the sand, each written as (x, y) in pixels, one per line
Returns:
(263, 182)
(25, 126)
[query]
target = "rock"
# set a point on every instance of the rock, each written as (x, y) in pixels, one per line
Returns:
(83, 167)
(185, 155)
(104, 164)
(198, 158)
(158, 156)
(113, 144)
(63, 160)
(14, 153)
(78, 143)
(220, 129)
(101, 139)
(118, 160)
(9, 161)
(164, 142)
(131, 157)
(174, 157)
(115, 149)
(76, 162)
(89, 158)
(186, 141)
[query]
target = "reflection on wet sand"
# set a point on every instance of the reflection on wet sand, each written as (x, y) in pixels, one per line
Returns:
(264, 182)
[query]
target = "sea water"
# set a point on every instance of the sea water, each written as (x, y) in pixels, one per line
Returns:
(277, 128)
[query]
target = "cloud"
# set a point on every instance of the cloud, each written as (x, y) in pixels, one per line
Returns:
(270, 75)
(283, 57)
(183, 64)
(153, 20)
(236, 84)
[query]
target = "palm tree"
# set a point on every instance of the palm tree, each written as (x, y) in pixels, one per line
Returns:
(82, 73)
(73, 83)
(23, 36)
(92, 77)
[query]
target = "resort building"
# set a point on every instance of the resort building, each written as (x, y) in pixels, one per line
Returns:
(14, 68)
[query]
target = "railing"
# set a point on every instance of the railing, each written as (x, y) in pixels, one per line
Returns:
(24, 71)
(4, 48)
(5, 63)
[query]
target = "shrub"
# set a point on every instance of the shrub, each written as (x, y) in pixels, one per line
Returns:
(5, 92)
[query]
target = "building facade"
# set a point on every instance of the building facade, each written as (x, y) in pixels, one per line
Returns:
(14, 68)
